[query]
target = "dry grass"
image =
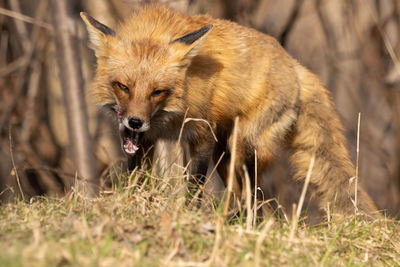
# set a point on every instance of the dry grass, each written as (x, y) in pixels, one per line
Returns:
(151, 224)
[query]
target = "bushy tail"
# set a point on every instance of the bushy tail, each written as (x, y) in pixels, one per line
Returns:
(318, 132)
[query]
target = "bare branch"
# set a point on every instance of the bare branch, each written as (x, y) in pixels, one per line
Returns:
(74, 98)
(24, 18)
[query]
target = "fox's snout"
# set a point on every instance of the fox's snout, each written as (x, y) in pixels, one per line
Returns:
(135, 123)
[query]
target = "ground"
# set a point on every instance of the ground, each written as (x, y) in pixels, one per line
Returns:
(156, 223)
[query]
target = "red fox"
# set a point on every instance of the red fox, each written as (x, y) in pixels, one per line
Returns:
(160, 66)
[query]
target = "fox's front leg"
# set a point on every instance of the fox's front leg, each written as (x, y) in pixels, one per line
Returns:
(200, 155)
(142, 159)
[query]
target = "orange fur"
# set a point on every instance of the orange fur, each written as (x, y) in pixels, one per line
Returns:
(224, 71)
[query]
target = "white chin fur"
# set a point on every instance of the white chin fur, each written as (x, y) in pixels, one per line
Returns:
(144, 128)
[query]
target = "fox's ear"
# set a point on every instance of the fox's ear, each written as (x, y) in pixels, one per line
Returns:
(188, 46)
(97, 31)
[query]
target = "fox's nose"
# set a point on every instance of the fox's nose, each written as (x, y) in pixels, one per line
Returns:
(135, 123)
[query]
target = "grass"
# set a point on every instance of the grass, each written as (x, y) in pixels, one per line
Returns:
(154, 223)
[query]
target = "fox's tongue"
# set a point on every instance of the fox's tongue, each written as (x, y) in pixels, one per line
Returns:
(131, 143)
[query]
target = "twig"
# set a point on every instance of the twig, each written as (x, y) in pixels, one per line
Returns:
(328, 212)
(355, 178)
(305, 186)
(18, 89)
(385, 38)
(231, 166)
(186, 120)
(202, 120)
(250, 213)
(181, 131)
(293, 225)
(20, 62)
(31, 116)
(259, 241)
(109, 167)
(173, 252)
(51, 184)
(15, 168)
(20, 27)
(137, 176)
(216, 242)
(358, 156)
(3, 48)
(255, 188)
(24, 18)
(201, 189)
(296, 214)
(19, 86)
(6, 189)
(49, 169)
(215, 167)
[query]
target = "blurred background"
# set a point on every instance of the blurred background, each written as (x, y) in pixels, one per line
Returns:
(352, 45)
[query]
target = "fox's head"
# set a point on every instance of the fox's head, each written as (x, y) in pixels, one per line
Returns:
(140, 78)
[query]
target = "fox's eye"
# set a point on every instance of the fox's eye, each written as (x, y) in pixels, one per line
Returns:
(157, 93)
(121, 86)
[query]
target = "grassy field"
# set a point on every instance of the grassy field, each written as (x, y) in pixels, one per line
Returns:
(156, 224)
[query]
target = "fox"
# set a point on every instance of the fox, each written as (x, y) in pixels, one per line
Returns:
(161, 66)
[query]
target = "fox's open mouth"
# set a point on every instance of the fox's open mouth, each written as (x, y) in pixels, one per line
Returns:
(130, 140)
